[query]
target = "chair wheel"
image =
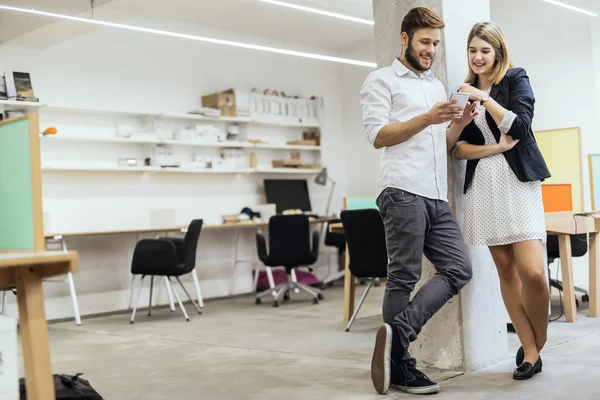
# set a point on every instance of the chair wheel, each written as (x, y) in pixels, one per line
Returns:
(286, 297)
(315, 301)
(275, 304)
(585, 298)
(576, 303)
(258, 301)
(320, 297)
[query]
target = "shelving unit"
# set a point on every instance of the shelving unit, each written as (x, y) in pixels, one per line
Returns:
(101, 132)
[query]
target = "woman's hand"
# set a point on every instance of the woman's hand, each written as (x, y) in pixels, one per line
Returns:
(507, 142)
(475, 94)
(468, 115)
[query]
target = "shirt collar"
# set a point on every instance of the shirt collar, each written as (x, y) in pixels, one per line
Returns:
(401, 69)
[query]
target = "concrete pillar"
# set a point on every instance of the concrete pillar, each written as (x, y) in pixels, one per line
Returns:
(468, 333)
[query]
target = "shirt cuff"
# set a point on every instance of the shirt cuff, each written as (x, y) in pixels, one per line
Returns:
(507, 122)
(456, 147)
(372, 134)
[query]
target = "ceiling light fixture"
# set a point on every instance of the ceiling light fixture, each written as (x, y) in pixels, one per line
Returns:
(322, 12)
(570, 7)
(193, 37)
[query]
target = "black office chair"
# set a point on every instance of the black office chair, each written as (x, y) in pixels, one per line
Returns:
(365, 234)
(579, 246)
(289, 247)
(166, 257)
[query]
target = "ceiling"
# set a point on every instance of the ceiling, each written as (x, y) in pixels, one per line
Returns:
(249, 21)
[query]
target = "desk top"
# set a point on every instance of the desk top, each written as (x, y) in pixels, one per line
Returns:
(45, 264)
(178, 228)
(20, 259)
(556, 222)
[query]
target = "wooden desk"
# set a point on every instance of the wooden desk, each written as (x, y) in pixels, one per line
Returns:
(25, 271)
(562, 224)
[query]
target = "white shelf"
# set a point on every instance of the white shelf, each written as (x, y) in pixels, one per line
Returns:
(19, 105)
(192, 143)
(287, 147)
(50, 168)
(290, 122)
(99, 168)
(288, 171)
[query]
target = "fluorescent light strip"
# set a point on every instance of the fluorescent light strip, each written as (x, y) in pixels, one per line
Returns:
(570, 7)
(193, 37)
(317, 11)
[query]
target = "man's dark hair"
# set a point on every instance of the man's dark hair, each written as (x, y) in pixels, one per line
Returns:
(420, 18)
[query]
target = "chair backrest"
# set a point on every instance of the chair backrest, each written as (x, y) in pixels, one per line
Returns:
(579, 246)
(360, 203)
(190, 242)
(289, 240)
(365, 234)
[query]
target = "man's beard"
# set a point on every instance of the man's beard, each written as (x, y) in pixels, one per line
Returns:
(413, 60)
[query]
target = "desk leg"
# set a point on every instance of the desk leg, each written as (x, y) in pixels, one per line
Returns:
(566, 265)
(594, 277)
(34, 334)
(348, 290)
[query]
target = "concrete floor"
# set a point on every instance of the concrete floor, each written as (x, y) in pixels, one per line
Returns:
(237, 350)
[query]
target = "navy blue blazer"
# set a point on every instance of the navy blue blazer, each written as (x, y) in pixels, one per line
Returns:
(525, 159)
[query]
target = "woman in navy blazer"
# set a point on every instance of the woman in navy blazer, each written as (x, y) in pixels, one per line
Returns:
(503, 195)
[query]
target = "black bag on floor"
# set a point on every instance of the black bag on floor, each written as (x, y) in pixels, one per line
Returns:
(67, 388)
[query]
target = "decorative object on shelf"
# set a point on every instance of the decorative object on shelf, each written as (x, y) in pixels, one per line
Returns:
(127, 162)
(322, 179)
(50, 131)
(163, 156)
(233, 132)
(253, 162)
(289, 163)
(302, 142)
(224, 101)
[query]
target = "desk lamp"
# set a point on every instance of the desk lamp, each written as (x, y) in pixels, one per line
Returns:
(321, 179)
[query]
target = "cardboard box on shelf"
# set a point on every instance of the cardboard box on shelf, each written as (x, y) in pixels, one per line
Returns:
(224, 101)
(314, 136)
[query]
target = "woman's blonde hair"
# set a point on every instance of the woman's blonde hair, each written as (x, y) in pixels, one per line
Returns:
(492, 34)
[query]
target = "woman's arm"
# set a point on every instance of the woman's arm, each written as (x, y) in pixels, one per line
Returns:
(466, 151)
(516, 120)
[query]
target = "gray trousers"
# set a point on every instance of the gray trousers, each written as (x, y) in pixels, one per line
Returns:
(414, 226)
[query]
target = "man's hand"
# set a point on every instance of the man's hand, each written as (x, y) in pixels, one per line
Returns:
(507, 142)
(467, 116)
(443, 112)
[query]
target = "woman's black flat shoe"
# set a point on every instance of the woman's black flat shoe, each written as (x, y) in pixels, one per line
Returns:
(520, 356)
(527, 371)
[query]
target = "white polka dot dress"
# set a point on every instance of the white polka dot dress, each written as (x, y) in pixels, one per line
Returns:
(500, 209)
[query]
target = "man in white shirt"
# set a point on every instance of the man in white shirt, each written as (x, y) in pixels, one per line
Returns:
(406, 113)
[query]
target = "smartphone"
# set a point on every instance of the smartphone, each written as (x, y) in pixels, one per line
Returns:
(461, 100)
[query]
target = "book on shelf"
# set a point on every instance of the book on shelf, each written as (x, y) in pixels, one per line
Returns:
(19, 86)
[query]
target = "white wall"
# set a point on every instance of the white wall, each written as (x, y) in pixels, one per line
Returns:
(122, 70)
(563, 65)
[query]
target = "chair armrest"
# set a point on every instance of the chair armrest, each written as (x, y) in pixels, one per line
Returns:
(315, 243)
(178, 242)
(261, 247)
(150, 254)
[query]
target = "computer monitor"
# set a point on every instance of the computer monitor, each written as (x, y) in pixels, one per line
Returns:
(287, 194)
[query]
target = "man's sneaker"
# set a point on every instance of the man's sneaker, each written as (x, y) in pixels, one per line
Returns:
(387, 357)
(411, 380)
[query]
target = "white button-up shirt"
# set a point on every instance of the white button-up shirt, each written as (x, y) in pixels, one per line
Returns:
(418, 165)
